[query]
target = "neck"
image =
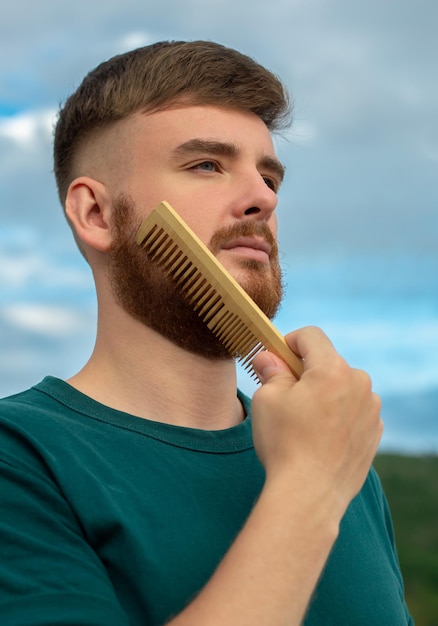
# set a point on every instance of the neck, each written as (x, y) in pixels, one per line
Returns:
(138, 371)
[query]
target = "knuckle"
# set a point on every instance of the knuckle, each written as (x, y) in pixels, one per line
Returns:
(377, 402)
(365, 380)
(315, 332)
(338, 371)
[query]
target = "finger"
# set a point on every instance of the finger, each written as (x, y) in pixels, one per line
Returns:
(267, 366)
(312, 344)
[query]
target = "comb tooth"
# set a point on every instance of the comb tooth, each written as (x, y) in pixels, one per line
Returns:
(252, 351)
(248, 350)
(179, 262)
(200, 296)
(249, 357)
(253, 375)
(182, 273)
(210, 314)
(204, 299)
(240, 336)
(148, 235)
(243, 336)
(225, 331)
(191, 279)
(151, 236)
(209, 304)
(173, 264)
(195, 289)
(232, 334)
(251, 371)
(170, 257)
(185, 272)
(220, 322)
(249, 346)
(180, 268)
(224, 324)
(154, 246)
(190, 289)
(157, 255)
(157, 240)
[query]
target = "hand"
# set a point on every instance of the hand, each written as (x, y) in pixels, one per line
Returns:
(322, 430)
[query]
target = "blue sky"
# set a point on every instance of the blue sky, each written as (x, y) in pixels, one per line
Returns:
(358, 212)
(362, 155)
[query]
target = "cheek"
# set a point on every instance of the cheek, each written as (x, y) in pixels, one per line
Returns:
(200, 216)
(202, 230)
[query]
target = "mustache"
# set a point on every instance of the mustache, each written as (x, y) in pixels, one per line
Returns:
(243, 229)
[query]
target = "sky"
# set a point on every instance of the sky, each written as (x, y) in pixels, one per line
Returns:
(358, 211)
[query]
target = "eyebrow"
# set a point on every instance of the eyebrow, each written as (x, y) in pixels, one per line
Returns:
(226, 149)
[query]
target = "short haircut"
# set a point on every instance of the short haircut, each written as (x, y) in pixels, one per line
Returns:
(155, 77)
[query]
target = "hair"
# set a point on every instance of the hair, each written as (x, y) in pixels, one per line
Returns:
(156, 77)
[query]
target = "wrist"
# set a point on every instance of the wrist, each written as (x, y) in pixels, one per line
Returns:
(308, 500)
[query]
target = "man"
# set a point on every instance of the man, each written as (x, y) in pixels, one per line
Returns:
(133, 492)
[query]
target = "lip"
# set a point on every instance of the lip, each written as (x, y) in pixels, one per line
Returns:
(256, 248)
(256, 243)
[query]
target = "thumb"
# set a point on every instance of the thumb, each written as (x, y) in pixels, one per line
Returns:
(267, 366)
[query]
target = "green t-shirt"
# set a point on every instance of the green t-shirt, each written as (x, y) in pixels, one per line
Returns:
(107, 518)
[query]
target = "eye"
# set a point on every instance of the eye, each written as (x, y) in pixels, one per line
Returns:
(271, 183)
(205, 166)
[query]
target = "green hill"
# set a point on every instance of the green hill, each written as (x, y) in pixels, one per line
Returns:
(411, 486)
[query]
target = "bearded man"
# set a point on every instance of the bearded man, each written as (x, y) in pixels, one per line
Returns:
(146, 489)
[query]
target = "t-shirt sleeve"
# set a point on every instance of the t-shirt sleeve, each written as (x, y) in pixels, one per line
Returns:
(377, 485)
(49, 574)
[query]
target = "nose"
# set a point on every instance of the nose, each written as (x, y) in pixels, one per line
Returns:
(257, 200)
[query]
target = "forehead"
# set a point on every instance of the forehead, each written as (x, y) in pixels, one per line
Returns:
(165, 130)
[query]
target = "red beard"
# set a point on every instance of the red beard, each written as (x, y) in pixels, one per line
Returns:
(151, 297)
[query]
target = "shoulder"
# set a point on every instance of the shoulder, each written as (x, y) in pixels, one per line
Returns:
(24, 407)
(30, 423)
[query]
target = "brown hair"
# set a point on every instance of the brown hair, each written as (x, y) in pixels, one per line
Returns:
(156, 76)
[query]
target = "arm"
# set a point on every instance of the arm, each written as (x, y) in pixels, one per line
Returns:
(316, 438)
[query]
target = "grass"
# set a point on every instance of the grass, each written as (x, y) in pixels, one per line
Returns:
(411, 486)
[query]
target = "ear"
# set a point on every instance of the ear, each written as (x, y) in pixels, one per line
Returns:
(88, 208)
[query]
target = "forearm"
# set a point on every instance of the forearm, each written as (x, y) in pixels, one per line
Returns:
(268, 575)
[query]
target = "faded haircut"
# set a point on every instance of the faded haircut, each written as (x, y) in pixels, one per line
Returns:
(156, 77)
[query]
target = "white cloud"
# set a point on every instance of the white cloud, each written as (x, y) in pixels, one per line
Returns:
(28, 127)
(135, 39)
(33, 268)
(51, 321)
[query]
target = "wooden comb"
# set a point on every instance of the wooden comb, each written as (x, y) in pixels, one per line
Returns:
(213, 293)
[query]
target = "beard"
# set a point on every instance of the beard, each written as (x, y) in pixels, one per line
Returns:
(145, 291)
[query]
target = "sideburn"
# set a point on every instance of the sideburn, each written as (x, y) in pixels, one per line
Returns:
(149, 295)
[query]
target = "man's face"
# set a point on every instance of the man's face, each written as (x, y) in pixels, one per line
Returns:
(218, 169)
